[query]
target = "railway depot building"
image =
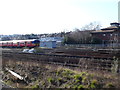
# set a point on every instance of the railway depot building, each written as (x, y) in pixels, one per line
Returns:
(51, 42)
(108, 35)
(48, 44)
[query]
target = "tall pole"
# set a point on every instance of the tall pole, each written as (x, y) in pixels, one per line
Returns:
(119, 12)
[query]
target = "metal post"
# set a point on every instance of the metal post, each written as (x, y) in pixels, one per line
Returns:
(0, 67)
(119, 12)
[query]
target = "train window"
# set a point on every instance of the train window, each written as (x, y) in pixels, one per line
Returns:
(36, 41)
(28, 42)
(14, 43)
(18, 43)
(21, 42)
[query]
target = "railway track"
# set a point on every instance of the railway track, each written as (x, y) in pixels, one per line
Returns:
(65, 60)
(65, 55)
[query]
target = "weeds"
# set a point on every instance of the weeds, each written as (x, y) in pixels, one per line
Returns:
(50, 80)
(38, 50)
(81, 87)
(110, 85)
(66, 78)
(35, 87)
(114, 67)
(93, 84)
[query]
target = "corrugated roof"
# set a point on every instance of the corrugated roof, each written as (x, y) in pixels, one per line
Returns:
(51, 39)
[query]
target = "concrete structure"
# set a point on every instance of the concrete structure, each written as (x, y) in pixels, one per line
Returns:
(48, 44)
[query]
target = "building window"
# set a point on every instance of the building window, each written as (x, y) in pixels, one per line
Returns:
(110, 34)
(104, 34)
(90, 34)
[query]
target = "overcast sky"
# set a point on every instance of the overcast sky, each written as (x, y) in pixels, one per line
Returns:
(51, 16)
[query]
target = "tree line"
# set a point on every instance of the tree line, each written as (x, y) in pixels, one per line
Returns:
(83, 35)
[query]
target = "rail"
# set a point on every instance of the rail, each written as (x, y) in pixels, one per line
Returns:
(84, 62)
(65, 55)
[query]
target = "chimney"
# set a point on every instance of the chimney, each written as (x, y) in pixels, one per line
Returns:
(119, 12)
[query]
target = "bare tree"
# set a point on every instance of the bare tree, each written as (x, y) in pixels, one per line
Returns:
(92, 26)
(83, 36)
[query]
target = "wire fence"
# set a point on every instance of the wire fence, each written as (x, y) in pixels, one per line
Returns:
(111, 45)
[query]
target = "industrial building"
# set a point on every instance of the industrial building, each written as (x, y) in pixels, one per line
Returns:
(108, 35)
(51, 42)
(48, 44)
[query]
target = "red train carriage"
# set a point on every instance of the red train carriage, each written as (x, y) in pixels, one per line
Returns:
(20, 43)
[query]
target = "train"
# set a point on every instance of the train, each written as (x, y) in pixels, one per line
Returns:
(31, 43)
